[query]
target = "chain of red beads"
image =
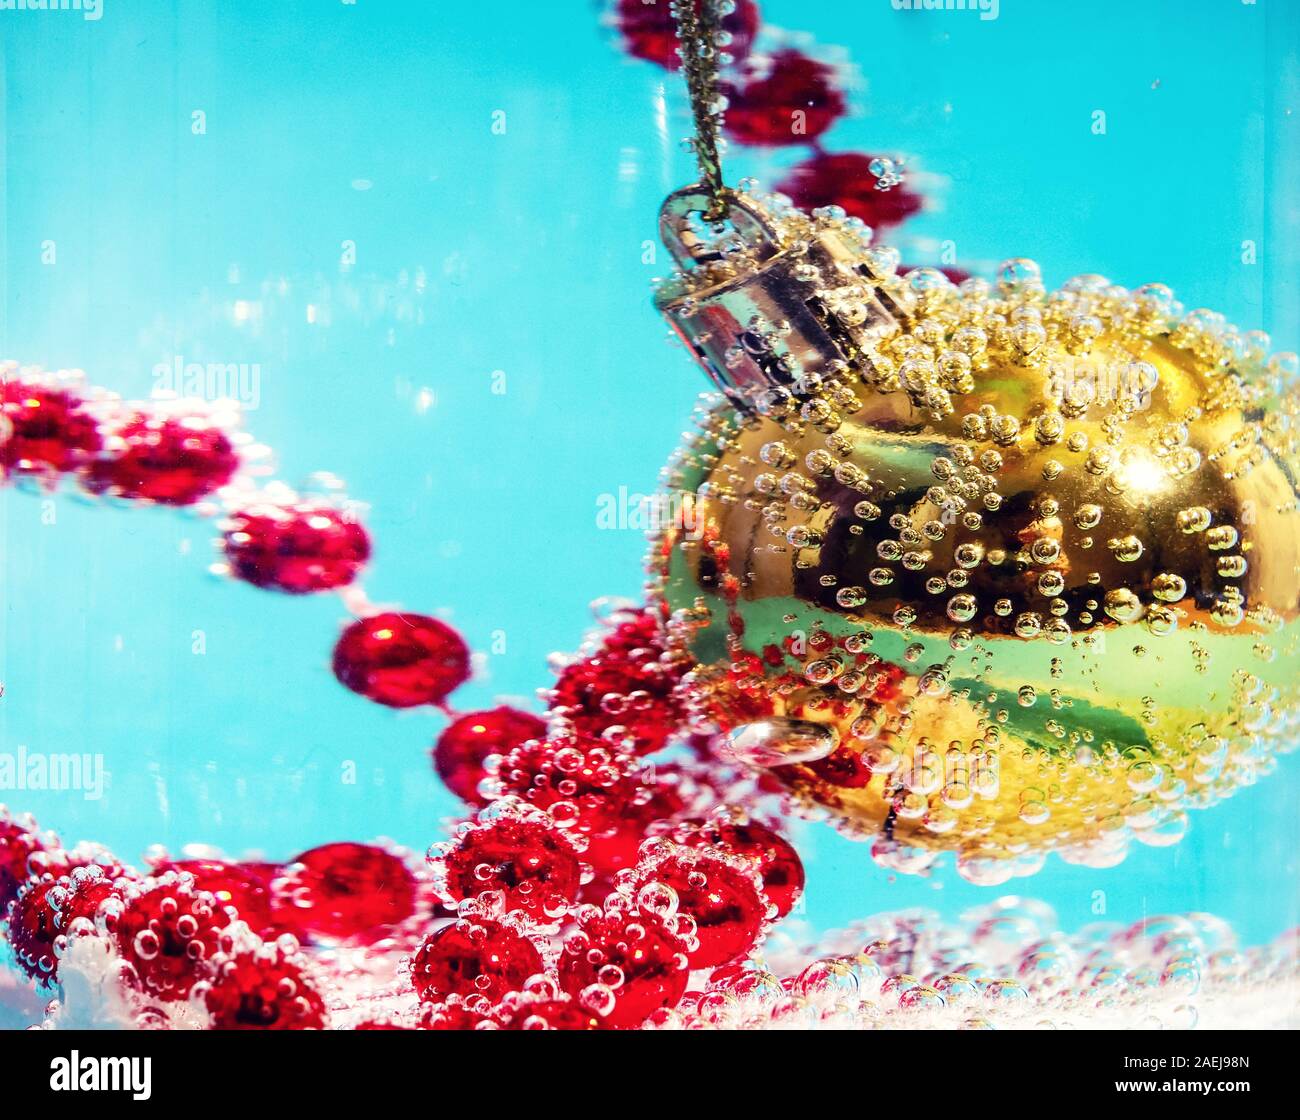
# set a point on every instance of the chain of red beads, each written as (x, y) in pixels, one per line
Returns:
(590, 885)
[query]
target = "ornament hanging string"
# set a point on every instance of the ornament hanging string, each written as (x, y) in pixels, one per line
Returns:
(698, 30)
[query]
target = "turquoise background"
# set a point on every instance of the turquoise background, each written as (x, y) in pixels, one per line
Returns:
(523, 253)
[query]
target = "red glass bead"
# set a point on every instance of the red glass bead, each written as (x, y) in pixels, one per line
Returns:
(845, 179)
(174, 460)
(634, 956)
(45, 911)
(241, 887)
(629, 682)
(788, 99)
(725, 901)
(296, 548)
(650, 31)
(474, 956)
(618, 849)
(466, 742)
(347, 890)
(586, 784)
(169, 931)
(527, 860)
(262, 990)
(401, 660)
(49, 429)
(554, 1015)
(778, 863)
(18, 841)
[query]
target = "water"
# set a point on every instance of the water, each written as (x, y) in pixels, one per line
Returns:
(456, 321)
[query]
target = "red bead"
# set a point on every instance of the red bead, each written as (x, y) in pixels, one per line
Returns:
(528, 861)
(619, 849)
(18, 841)
(634, 956)
(242, 888)
(466, 742)
(169, 931)
(262, 990)
(586, 785)
(628, 683)
(49, 429)
(174, 460)
(725, 901)
(650, 31)
(554, 1015)
(45, 911)
(475, 956)
(845, 179)
(789, 99)
(778, 863)
(296, 548)
(401, 660)
(348, 890)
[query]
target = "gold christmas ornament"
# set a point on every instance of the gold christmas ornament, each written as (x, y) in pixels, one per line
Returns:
(982, 568)
(979, 568)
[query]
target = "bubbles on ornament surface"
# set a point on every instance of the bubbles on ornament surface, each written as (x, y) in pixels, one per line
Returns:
(1019, 558)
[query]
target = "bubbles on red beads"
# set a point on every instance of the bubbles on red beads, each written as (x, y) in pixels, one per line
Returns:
(723, 895)
(469, 740)
(458, 1013)
(624, 965)
(45, 427)
(168, 931)
(171, 458)
(262, 988)
(243, 888)
(522, 858)
(649, 30)
(49, 910)
(586, 785)
(20, 838)
(784, 98)
(296, 547)
(474, 956)
(558, 1014)
(625, 687)
(346, 891)
(778, 863)
(401, 659)
(845, 179)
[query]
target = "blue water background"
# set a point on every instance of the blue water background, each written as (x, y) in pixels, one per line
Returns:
(523, 253)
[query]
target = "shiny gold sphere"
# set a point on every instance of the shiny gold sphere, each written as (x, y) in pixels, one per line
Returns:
(1020, 577)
